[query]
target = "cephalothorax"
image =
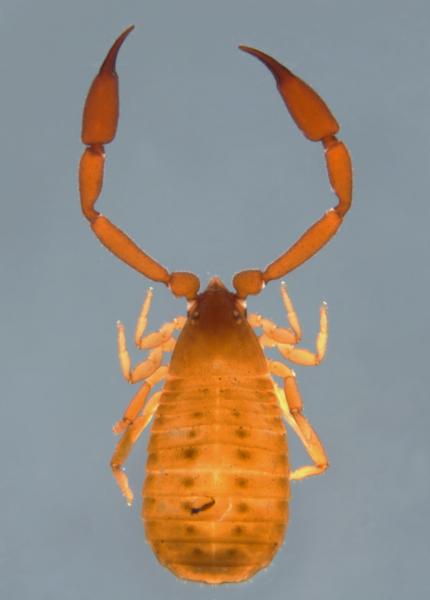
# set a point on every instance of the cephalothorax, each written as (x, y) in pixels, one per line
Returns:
(215, 497)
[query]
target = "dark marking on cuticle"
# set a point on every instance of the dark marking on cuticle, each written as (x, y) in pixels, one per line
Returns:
(244, 454)
(190, 529)
(242, 482)
(152, 458)
(197, 509)
(189, 453)
(187, 482)
(282, 459)
(241, 432)
(238, 530)
(283, 505)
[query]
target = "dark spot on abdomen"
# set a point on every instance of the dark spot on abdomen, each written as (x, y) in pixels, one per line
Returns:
(242, 433)
(242, 482)
(188, 482)
(189, 453)
(244, 454)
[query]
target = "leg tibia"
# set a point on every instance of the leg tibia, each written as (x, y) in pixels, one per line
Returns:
(143, 369)
(314, 448)
(159, 342)
(291, 405)
(305, 357)
(280, 335)
(126, 443)
(163, 335)
(133, 409)
(138, 400)
(142, 321)
(292, 316)
(160, 337)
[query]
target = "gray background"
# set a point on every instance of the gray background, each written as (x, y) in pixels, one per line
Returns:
(209, 173)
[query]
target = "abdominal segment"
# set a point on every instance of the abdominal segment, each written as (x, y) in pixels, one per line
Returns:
(215, 498)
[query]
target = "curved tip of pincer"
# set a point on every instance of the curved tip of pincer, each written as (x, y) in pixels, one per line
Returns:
(109, 63)
(278, 71)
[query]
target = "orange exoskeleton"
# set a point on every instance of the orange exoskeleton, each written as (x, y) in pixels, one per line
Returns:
(215, 497)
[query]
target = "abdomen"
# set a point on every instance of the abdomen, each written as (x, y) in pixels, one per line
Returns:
(215, 498)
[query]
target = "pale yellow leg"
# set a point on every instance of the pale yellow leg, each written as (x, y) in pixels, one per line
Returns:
(272, 334)
(279, 335)
(136, 404)
(291, 405)
(286, 339)
(126, 443)
(292, 317)
(143, 369)
(142, 321)
(158, 338)
(160, 341)
(304, 357)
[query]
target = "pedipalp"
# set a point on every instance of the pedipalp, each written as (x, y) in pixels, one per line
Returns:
(99, 125)
(315, 120)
